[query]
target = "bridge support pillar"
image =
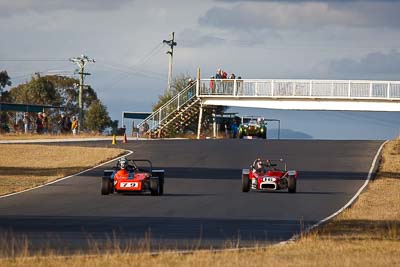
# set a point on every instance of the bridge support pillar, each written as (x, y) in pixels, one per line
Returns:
(200, 119)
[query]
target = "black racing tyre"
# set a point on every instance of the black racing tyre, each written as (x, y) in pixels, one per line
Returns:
(105, 186)
(245, 183)
(161, 178)
(292, 184)
(264, 135)
(154, 186)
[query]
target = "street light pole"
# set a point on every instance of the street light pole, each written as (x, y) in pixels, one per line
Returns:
(171, 44)
(81, 62)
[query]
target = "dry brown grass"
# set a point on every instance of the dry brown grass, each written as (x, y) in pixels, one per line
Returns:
(21, 136)
(25, 166)
(367, 234)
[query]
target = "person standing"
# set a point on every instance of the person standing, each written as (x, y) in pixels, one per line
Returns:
(145, 128)
(61, 123)
(133, 128)
(74, 125)
(39, 123)
(45, 123)
(27, 122)
(67, 124)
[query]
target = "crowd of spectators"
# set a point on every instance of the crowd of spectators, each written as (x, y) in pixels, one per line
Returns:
(39, 123)
(220, 83)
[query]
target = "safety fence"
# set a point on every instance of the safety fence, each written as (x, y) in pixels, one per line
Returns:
(320, 89)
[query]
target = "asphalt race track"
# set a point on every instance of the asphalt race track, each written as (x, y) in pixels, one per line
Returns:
(203, 205)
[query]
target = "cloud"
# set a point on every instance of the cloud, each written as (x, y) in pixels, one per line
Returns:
(194, 38)
(10, 8)
(255, 15)
(377, 65)
(299, 1)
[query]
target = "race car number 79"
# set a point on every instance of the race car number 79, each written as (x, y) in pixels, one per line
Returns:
(125, 184)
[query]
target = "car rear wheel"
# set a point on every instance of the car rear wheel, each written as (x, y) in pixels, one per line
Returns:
(154, 186)
(245, 183)
(264, 134)
(105, 186)
(161, 178)
(291, 184)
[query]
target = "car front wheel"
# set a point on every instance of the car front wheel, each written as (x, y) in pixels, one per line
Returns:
(245, 183)
(105, 186)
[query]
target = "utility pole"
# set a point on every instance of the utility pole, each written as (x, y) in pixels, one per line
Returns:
(81, 62)
(171, 44)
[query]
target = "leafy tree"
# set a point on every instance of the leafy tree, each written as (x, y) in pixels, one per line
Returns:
(97, 117)
(68, 91)
(4, 96)
(4, 80)
(53, 90)
(38, 91)
(179, 83)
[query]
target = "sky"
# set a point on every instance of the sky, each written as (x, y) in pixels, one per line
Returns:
(319, 39)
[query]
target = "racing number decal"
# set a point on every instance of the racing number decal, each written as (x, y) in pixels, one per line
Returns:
(268, 179)
(125, 184)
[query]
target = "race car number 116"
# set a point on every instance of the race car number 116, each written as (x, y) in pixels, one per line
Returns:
(124, 184)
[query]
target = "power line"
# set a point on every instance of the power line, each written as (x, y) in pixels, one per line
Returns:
(143, 60)
(30, 60)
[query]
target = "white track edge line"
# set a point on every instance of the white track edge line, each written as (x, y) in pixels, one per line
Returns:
(295, 237)
(292, 239)
(350, 202)
(67, 177)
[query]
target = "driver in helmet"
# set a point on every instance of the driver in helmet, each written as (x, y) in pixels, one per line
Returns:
(258, 165)
(124, 165)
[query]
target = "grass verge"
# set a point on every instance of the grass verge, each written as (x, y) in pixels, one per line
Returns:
(367, 234)
(25, 166)
(30, 136)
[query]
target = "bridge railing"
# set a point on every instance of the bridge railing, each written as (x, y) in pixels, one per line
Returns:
(166, 110)
(343, 89)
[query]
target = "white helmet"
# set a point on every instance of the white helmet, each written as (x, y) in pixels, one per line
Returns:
(123, 163)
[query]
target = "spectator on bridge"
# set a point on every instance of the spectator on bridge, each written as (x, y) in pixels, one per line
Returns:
(232, 76)
(239, 86)
(224, 76)
(212, 85)
(218, 76)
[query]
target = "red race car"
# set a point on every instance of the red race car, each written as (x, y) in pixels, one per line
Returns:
(127, 176)
(265, 175)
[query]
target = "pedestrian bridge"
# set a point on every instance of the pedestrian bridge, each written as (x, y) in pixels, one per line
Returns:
(337, 95)
(351, 95)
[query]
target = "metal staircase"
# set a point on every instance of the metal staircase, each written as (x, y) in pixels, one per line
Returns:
(174, 115)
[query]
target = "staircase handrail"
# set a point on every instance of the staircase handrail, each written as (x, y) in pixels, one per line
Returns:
(170, 107)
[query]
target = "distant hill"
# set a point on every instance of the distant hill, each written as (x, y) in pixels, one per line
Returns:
(287, 134)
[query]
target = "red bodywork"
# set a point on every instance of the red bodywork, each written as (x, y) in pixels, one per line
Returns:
(270, 179)
(130, 181)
